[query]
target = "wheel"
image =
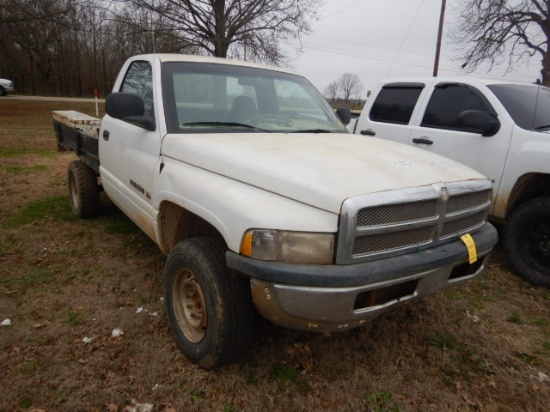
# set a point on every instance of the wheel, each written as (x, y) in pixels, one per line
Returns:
(209, 307)
(2, 91)
(527, 240)
(83, 190)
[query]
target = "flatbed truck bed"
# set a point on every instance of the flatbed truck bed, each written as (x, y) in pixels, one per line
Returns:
(78, 132)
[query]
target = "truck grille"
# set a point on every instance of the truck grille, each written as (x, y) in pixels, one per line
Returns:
(388, 241)
(388, 214)
(396, 222)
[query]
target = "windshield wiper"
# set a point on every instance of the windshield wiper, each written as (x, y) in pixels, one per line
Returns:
(312, 131)
(229, 124)
(546, 126)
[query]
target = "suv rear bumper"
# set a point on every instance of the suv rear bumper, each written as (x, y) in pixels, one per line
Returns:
(337, 297)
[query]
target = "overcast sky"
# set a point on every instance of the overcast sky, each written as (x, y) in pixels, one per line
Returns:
(379, 39)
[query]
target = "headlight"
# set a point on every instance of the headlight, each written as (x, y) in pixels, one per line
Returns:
(292, 247)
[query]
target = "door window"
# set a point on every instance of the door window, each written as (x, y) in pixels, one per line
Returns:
(395, 103)
(529, 105)
(448, 101)
(139, 80)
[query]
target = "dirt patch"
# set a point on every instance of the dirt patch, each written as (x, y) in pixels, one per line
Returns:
(67, 284)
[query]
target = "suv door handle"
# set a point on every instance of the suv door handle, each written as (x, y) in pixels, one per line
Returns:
(105, 135)
(368, 132)
(423, 140)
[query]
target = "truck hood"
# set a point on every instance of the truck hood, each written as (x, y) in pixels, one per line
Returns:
(321, 170)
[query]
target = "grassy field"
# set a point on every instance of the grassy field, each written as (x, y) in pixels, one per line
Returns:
(66, 284)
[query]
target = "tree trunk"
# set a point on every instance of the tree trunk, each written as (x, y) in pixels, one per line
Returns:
(545, 72)
(78, 67)
(33, 84)
(220, 44)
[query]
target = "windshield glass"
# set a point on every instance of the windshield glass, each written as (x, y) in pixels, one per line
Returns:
(529, 105)
(217, 98)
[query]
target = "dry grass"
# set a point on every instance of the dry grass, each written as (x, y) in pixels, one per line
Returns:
(485, 347)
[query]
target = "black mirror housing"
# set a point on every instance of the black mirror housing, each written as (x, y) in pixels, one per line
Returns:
(130, 108)
(482, 122)
(344, 114)
(121, 105)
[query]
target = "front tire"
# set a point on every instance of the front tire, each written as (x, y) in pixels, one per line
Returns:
(83, 190)
(527, 240)
(209, 307)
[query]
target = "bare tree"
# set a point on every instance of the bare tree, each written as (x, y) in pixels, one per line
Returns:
(350, 85)
(331, 91)
(17, 11)
(505, 31)
(252, 29)
(71, 47)
(34, 32)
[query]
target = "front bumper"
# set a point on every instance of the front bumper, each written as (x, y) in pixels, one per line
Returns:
(337, 297)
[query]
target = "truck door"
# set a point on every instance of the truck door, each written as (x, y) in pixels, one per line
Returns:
(390, 113)
(439, 130)
(129, 153)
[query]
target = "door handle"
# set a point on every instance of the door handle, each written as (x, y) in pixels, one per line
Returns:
(423, 140)
(368, 132)
(106, 135)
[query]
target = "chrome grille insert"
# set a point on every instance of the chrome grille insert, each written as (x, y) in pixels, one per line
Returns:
(396, 222)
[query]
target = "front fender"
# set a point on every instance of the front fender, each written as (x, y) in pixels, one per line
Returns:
(232, 207)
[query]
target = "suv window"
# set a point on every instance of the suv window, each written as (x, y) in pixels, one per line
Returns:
(448, 101)
(139, 80)
(395, 103)
(529, 105)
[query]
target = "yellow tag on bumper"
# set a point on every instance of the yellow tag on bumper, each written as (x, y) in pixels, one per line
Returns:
(471, 246)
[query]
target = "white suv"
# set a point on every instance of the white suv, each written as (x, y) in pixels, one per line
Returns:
(6, 86)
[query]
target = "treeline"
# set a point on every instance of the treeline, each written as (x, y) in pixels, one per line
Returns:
(72, 47)
(352, 104)
(348, 88)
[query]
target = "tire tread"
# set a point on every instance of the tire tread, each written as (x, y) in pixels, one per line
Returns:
(86, 187)
(232, 330)
(538, 206)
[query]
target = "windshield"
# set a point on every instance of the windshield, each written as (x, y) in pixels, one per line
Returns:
(529, 105)
(217, 98)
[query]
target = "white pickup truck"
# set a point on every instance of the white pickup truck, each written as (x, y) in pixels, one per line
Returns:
(499, 128)
(245, 177)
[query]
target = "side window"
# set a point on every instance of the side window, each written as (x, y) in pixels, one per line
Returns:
(395, 103)
(448, 101)
(139, 80)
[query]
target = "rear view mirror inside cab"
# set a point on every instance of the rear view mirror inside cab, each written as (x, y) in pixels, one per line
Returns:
(248, 81)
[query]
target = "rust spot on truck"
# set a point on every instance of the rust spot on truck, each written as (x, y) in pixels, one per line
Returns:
(177, 224)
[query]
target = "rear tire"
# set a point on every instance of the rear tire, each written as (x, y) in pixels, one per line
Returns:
(527, 240)
(2, 91)
(83, 190)
(209, 307)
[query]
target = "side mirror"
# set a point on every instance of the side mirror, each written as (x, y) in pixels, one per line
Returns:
(344, 114)
(130, 108)
(478, 121)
